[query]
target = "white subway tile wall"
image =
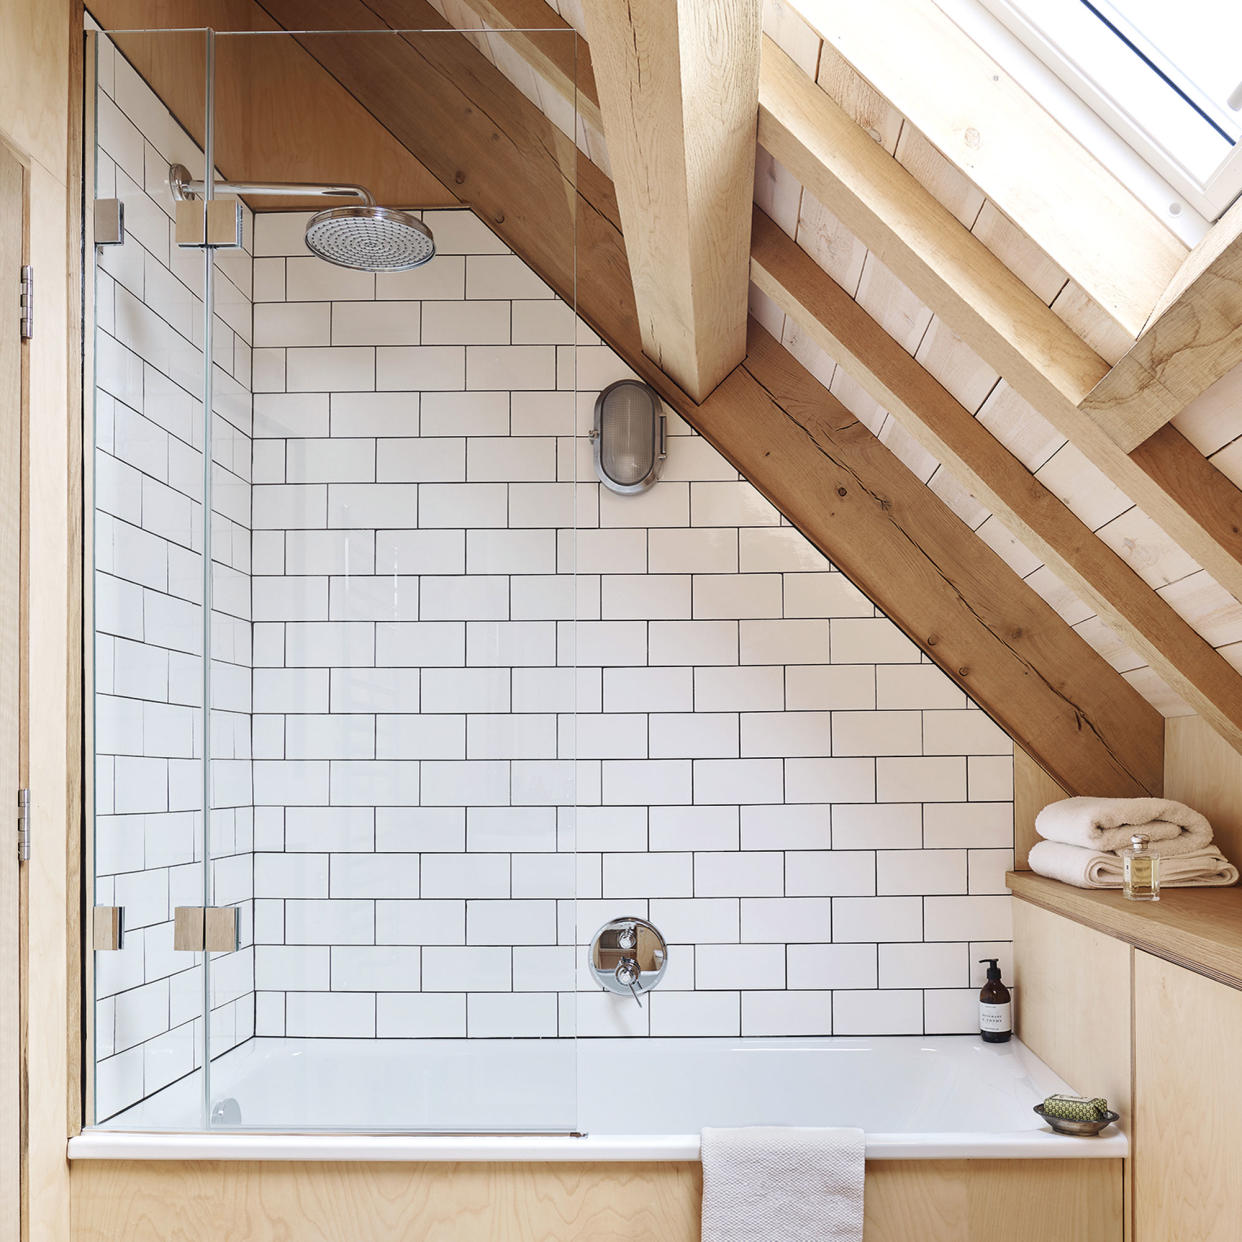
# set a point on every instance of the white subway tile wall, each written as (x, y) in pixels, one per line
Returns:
(816, 817)
(148, 537)
(467, 705)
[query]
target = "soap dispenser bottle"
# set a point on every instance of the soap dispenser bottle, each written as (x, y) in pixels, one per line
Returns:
(995, 1007)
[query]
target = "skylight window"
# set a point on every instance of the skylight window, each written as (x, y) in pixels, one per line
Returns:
(1167, 77)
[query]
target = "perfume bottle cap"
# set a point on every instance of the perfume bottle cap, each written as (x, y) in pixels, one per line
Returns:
(1140, 840)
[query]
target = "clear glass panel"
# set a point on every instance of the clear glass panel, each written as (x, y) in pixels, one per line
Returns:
(377, 552)
(409, 558)
(145, 440)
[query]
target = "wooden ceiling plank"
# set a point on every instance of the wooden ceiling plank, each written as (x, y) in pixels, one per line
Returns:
(772, 420)
(1012, 148)
(678, 83)
(563, 63)
(1194, 337)
(988, 306)
(889, 374)
(279, 117)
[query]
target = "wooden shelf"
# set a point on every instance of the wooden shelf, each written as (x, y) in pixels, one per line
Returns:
(1199, 928)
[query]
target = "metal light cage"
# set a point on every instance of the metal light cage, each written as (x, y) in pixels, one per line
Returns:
(629, 436)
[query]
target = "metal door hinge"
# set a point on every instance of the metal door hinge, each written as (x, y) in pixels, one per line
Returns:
(23, 825)
(109, 222)
(27, 302)
(107, 928)
(213, 928)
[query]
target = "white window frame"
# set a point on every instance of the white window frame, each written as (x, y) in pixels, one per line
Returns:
(1208, 197)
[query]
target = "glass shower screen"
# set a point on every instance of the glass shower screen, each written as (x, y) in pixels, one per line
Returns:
(335, 591)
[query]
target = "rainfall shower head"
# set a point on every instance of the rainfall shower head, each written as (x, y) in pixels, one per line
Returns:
(368, 237)
(375, 239)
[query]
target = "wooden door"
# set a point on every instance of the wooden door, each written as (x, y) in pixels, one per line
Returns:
(12, 942)
(1187, 1105)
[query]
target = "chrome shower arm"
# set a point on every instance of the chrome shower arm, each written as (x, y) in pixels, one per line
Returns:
(184, 187)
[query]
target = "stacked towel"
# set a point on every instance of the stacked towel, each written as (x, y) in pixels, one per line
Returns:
(1106, 824)
(778, 1184)
(1084, 837)
(1092, 869)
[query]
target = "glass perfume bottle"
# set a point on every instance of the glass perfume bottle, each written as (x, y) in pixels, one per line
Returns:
(1140, 869)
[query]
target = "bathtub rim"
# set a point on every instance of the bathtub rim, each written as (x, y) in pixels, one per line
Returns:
(100, 1144)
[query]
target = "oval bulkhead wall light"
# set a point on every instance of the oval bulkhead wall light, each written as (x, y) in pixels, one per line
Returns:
(629, 436)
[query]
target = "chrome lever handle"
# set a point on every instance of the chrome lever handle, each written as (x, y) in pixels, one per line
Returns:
(627, 974)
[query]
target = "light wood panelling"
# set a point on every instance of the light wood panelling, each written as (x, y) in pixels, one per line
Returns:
(991, 1200)
(271, 1202)
(279, 117)
(678, 84)
(1032, 168)
(1072, 1001)
(1200, 928)
(12, 247)
(1072, 1008)
(38, 97)
(983, 302)
(34, 94)
(963, 445)
(1201, 770)
(1194, 337)
(1033, 789)
(1188, 1105)
(935, 1201)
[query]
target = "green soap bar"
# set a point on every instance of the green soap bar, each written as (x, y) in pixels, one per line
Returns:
(1076, 1107)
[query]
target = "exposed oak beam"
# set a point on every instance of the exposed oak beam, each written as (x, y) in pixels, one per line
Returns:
(1017, 153)
(1194, 337)
(844, 330)
(848, 494)
(678, 83)
(986, 305)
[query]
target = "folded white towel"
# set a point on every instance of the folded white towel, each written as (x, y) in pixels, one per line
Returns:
(1108, 823)
(783, 1184)
(1093, 869)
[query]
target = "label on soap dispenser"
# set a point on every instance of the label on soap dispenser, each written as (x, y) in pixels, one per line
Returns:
(995, 1018)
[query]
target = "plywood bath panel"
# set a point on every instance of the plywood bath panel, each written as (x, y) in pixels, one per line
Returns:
(932, 1200)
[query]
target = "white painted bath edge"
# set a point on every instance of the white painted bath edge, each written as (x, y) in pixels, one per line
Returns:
(119, 1145)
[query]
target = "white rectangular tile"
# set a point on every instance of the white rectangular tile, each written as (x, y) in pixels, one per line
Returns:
(877, 919)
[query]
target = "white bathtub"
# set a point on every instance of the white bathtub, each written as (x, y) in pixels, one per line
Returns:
(944, 1097)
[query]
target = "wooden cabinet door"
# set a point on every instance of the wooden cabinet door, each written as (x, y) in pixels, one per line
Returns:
(1187, 1105)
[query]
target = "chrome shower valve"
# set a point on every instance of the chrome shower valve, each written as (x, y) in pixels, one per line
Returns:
(628, 955)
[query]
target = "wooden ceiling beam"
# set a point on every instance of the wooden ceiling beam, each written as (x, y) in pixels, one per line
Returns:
(1012, 148)
(985, 304)
(989, 631)
(1194, 337)
(678, 84)
(892, 377)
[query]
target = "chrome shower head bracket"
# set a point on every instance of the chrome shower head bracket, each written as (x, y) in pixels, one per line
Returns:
(184, 188)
